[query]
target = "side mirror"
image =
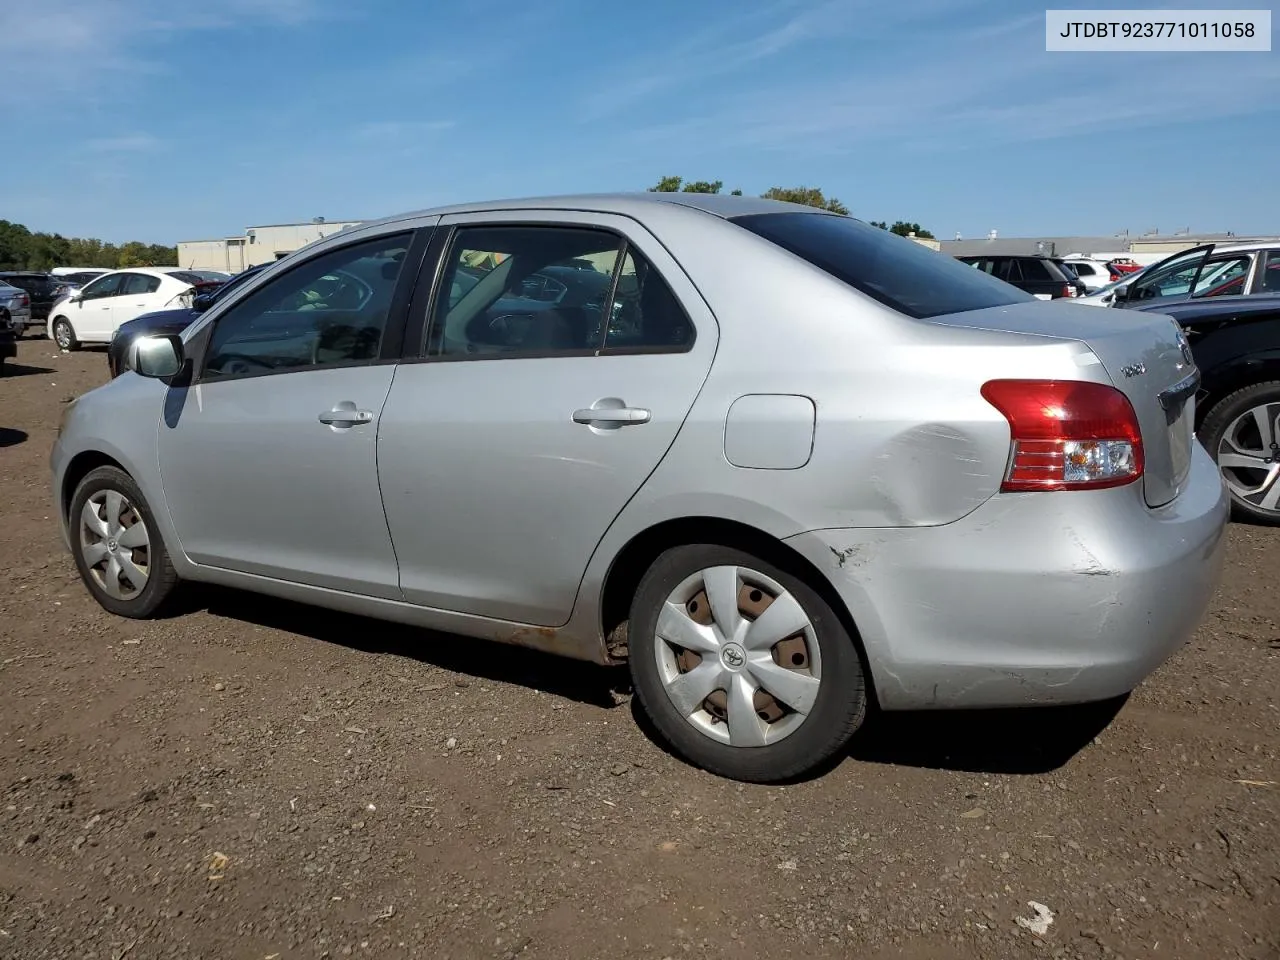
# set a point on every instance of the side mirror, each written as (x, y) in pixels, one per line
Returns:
(202, 302)
(1122, 292)
(159, 357)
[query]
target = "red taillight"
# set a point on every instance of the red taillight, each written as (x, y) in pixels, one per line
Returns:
(26, 301)
(1068, 290)
(1067, 435)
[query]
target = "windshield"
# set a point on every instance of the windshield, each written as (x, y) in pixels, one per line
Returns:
(898, 272)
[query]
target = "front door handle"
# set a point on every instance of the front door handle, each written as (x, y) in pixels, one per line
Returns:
(612, 416)
(345, 414)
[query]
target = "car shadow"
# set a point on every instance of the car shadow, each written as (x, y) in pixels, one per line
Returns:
(1023, 741)
(586, 683)
(10, 437)
(21, 370)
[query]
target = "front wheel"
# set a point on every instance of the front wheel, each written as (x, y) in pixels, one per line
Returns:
(742, 667)
(117, 547)
(1242, 434)
(65, 335)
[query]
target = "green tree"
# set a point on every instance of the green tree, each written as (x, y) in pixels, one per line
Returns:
(809, 196)
(677, 185)
(904, 229)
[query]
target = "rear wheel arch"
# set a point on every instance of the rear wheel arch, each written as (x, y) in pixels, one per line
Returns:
(635, 559)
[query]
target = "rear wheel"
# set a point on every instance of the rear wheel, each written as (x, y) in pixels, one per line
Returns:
(1242, 433)
(117, 548)
(743, 668)
(65, 335)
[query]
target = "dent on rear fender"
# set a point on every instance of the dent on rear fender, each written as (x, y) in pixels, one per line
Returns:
(931, 474)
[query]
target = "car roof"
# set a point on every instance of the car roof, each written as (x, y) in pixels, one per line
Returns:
(627, 204)
(1216, 306)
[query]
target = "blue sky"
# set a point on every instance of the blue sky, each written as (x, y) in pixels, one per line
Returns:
(163, 120)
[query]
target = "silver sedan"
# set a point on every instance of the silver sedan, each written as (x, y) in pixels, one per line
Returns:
(783, 463)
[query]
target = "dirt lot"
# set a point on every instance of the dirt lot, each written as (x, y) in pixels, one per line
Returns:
(253, 779)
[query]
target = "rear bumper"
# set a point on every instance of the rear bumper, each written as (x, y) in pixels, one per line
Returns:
(1034, 598)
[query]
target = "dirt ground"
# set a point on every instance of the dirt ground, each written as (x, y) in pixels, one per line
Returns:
(253, 779)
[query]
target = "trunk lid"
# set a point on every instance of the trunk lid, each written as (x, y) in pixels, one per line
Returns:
(1147, 359)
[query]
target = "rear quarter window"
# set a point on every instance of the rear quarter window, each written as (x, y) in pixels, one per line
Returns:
(898, 272)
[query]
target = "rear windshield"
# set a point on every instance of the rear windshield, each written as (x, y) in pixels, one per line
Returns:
(194, 277)
(898, 272)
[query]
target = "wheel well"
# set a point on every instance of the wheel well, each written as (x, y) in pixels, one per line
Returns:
(1235, 377)
(637, 556)
(79, 468)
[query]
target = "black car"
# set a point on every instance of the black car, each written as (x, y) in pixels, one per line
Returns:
(43, 289)
(1039, 276)
(1236, 344)
(172, 321)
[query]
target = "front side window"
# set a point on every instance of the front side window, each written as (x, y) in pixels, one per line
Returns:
(1172, 279)
(903, 275)
(330, 309)
(108, 286)
(519, 291)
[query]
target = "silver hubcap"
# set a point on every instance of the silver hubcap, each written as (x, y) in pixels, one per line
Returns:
(738, 656)
(62, 331)
(1249, 457)
(115, 544)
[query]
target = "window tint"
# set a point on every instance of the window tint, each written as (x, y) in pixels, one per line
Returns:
(1268, 280)
(1035, 269)
(1012, 271)
(330, 309)
(531, 291)
(646, 314)
(108, 286)
(139, 283)
(1224, 277)
(898, 272)
(1082, 269)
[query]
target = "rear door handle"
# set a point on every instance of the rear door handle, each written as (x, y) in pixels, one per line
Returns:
(345, 414)
(613, 416)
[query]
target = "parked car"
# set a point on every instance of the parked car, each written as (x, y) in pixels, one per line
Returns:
(84, 274)
(1236, 343)
(1123, 265)
(1104, 296)
(809, 464)
(1069, 270)
(168, 321)
(43, 289)
(93, 314)
(1205, 271)
(15, 312)
(1094, 274)
(1039, 276)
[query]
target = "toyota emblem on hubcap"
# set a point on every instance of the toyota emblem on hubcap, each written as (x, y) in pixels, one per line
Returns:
(733, 656)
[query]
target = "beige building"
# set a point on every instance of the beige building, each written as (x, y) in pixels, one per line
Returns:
(257, 245)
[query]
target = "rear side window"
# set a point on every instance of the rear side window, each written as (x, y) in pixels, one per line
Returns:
(1035, 269)
(898, 272)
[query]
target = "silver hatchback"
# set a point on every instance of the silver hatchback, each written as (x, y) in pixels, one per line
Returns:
(781, 462)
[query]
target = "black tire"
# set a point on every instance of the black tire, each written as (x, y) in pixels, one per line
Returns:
(161, 580)
(1213, 430)
(72, 342)
(839, 707)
